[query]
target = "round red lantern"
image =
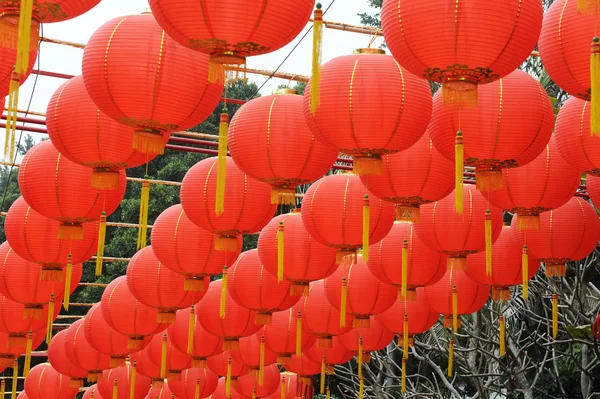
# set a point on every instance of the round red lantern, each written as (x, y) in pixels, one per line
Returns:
(424, 266)
(251, 387)
(162, 392)
(292, 387)
(320, 319)
(179, 97)
(372, 339)
(280, 335)
(60, 189)
(247, 207)
(572, 134)
(146, 367)
(254, 354)
(237, 320)
(9, 350)
(566, 234)
(159, 287)
(261, 135)
(462, 55)
(455, 287)
(252, 287)
(128, 316)
(99, 142)
(123, 375)
(188, 249)
(304, 368)
(459, 235)
(57, 356)
(16, 326)
(92, 392)
(337, 354)
(333, 210)
(516, 102)
(175, 361)
(593, 189)
(8, 53)
(220, 392)
(304, 258)
(223, 362)
(385, 109)
(35, 238)
(509, 269)
(82, 354)
(203, 345)
(546, 183)
(44, 382)
(193, 380)
(356, 291)
(415, 176)
(103, 338)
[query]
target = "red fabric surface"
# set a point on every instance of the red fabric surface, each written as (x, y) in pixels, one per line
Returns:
(472, 296)
(160, 393)
(420, 316)
(337, 354)
(319, 317)
(249, 352)
(303, 366)
(374, 338)
(8, 52)
(47, 11)
(44, 382)
(218, 364)
(186, 387)
(12, 321)
(176, 360)
(205, 344)
(81, 353)
(593, 189)
(292, 387)
(248, 384)
(15, 351)
(123, 376)
(280, 335)
(92, 389)
(220, 392)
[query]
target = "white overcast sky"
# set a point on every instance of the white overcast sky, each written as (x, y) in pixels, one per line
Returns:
(63, 59)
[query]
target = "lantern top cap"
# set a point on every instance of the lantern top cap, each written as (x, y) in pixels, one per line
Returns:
(369, 51)
(285, 90)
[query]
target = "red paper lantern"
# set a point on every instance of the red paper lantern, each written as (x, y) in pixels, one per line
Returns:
(572, 134)
(356, 291)
(566, 234)
(247, 207)
(374, 338)
(250, 386)
(127, 315)
(252, 287)
(466, 52)
(8, 52)
(415, 176)
(57, 356)
(176, 361)
(193, 380)
(508, 269)
(159, 287)
(91, 392)
(304, 368)
(124, 377)
(10, 350)
(60, 189)
(304, 258)
(162, 392)
(238, 321)
(593, 189)
(99, 142)
(82, 354)
(188, 249)
(126, 52)
(146, 367)
(280, 335)
(337, 354)
(103, 338)
(320, 319)
(292, 387)
(220, 364)
(270, 141)
(332, 212)
(231, 34)
(369, 106)
(424, 266)
(459, 235)
(220, 392)
(455, 286)
(17, 327)
(250, 353)
(35, 238)
(516, 102)
(44, 382)
(546, 183)
(204, 344)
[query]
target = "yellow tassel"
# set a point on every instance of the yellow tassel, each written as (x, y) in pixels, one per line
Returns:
(283, 388)
(11, 117)
(405, 337)
(197, 390)
(327, 394)
(359, 357)
(222, 162)
(101, 240)
(143, 221)
(50, 320)
(191, 331)
(28, 349)
(115, 392)
(459, 170)
(316, 59)
(133, 378)
(163, 358)
(228, 379)
(554, 315)
(254, 393)
(502, 337)
(69, 275)
(299, 334)
(488, 243)
(588, 7)
(343, 303)
(403, 375)
(261, 362)
(323, 369)
(15, 379)
(454, 309)
(2, 388)
(280, 250)
(361, 388)
(404, 268)
(366, 229)
(595, 86)
(223, 294)
(525, 271)
(450, 357)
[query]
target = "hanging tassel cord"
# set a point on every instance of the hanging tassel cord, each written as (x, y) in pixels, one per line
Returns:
(133, 379)
(366, 228)
(222, 161)
(223, 302)
(49, 320)
(261, 362)
(163, 357)
(502, 336)
(450, 357)
(488, 243)
(228, 379)
(15, 379)
(28, 349)
(315, 80)
(2, 388)
(454, 309)
(280, 251)
(299, 334)
(554, 315)
(68, 277)
(404, 287)
(343, 302)
(359, 358)
(101, 242)
(525, 271)
(197, 389)
(143, 220)
(322, 379)
(405, 334)
(191, 331)
(283, 387)
(459, 163)
(403, 375)
(595, 87)
(115, 390)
